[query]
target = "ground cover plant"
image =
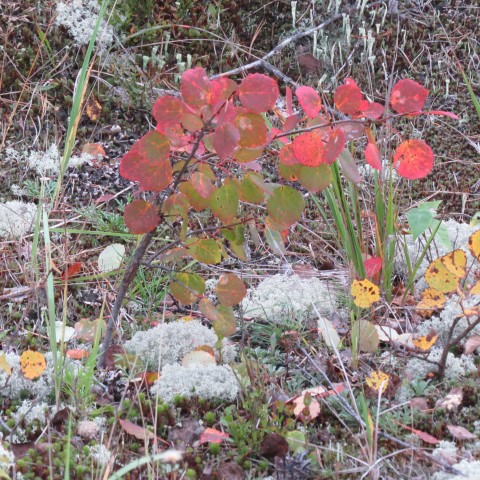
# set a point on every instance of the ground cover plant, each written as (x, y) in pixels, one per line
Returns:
(228, 253)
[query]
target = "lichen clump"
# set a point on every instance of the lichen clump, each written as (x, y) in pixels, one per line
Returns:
(168, 343)
(285, 297)
(16, 218)
(204, 381)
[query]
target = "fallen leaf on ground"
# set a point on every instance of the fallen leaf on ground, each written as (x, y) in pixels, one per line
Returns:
(460, 433)
(471, 344)
(364, 293)
(426, 342)
(72, 270)
(210, 435)
(420, 403)
(378, 381)
(426, 437)
(136, 430)
(198, 357)
(77, 353)
(4, 365)
(32, 364)
(452, 401)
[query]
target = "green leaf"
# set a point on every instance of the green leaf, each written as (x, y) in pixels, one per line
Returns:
(224, 203)
(222, 318)
(285, 206)
(315, 179)
(205, 250)
(250, 191)
(442, 236)
(419, 221)
(187, 288)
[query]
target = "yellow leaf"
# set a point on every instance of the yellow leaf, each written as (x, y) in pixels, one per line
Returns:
(378, 381)
(444, 273)
(4, 365)
(93, 109)
(426, 342)
(431, 300)
(474, 244)
(475, 290)
(364, 293)
(32, 364)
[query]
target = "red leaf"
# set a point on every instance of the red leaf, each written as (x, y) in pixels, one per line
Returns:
(408, 96)
(252, 128)
(288, 101)
(222, 89)
(141, 217)
(286, 155)
(196, 87)
(105, 198)
(72, 270)
(147, 162)
(135, 430)
(348, 97)
(225, 139)
(167, 111)
(372, 266)
(291, 122)
(202, 184)
(372, 110)
(372, 156)
(258, 92)
(334, 146)
(210, 435)
(413, 159)
(308, 149)
(426, 437)
(309, 100)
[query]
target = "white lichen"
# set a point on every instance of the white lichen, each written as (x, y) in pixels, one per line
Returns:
(79, 160)
(100, 454)
(289, 297)
(79, 17)
(204, 381)
(16, 218)
(30, 419)
(168, 343)
(7, 457)
(470, 471)
(45, 163)
(15, 385)
(456, 367)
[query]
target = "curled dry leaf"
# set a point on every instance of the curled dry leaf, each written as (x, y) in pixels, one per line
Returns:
(460, 433)
(471, 344)
(136, 430)
(452, 401)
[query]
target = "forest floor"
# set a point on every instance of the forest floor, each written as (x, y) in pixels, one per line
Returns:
(64, 248)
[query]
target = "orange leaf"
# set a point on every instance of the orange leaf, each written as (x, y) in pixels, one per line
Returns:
(32, 364)
(413, 159)
(210, 435)
(72, 270)
(308, 149)
(408, 96)
(77, 353)
(474, 244)
(348, 97)
(136, 430)
(426, 342)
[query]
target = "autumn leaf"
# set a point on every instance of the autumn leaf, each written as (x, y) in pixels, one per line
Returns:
(195, 87)
(77, 353)
(94, 149)
(474, 244)
(444, 273)
(93, 108)
(408, 96)
(372, 156)
(258, 92)
(431, 300)
(413, 159)
(187, 287)
(308, 149)
(230, 290)
(4, 365)
(72, 270)
(426, 342)
(225, 139)
(471, 344)
(460, 433)
(364, 293)
(378, 381)
(32, 364)
(475, 289)
(135, 430)
(348, 97)
(309, 100)
(426, 437)
(141, 217)
(210, 435)
(252, 129)
(372, 266)
(198, 357)
(168, 111)
(334, 147)
(285, 206)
